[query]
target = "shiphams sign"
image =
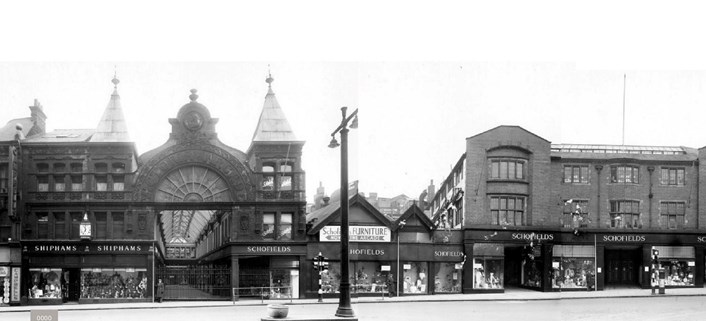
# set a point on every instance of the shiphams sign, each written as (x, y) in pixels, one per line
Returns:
(356, 234)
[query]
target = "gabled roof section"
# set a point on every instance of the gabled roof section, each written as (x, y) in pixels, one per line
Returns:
(329, 213)
(414, 216)
(273, 125)
(112, 126)
(508, 126)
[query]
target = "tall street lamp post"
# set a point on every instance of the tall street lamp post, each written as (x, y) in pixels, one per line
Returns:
(400, 226)
(344, 302)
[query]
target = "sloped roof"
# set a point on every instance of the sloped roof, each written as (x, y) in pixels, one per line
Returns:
(63, 136)
(418, 213)
(112, 126)
(325, 215)
(273, 125)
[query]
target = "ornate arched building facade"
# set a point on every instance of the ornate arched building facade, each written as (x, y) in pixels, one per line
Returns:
(101, 223)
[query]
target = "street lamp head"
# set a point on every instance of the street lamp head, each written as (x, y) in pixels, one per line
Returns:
(334, 143)
(354, 123)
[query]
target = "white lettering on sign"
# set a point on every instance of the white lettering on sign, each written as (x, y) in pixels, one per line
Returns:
(701, 239)
(533, 236)
(15, 284)
(55, 248)
(366, 252)
(623, 238)
(119, 248)
(356, 234)
(269, 249)
(448, 253)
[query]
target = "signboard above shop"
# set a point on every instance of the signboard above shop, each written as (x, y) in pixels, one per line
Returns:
(356, 234)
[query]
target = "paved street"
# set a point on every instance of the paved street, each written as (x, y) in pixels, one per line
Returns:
(631, 308)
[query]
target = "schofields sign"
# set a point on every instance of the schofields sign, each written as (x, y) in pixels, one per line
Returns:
(356, 234)
(533, 236)
(624, 238)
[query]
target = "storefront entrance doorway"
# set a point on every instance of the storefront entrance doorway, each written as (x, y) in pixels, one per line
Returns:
(622, 267)
(71, 286)
(513, 266)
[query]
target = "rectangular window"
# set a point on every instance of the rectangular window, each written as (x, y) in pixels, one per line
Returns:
(285, 183)
(285, 226)
(118, 182)
(625, 214)
(268, 226)
(118, 225)
(42, 225)
(76, 218)
(43, 183)
(101, 225)
(507, 210)
(59, 225)
(76, 183)
(118, 168)
(101, 183)
(575, 214)
(511, 169)
(4, 169)
(625, 174)
(59, 184)
(672, 214)
(268, 183)
(672, 176)
(576, 174)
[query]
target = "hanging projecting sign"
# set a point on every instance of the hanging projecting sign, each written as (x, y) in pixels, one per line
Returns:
(356, 234)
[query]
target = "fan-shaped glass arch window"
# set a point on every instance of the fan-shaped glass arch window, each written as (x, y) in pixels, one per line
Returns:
(193, 184)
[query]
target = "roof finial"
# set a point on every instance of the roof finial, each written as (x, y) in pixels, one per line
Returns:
(193, 95)
(269, 79)
(115, 80)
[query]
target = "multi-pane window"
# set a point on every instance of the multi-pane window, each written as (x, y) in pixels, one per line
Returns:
(285, 226)
(118, 225)
(268, 226)
(285, 183)
(42, 225)
(575, 213)
(625, 214)
(76, 218)
(101, 177)
(512, 169)
(672, 176)
(101, 224)
(60, 225)
(59, 184)
(507, 210)
(76, 177)
(576, 174)
(625, 174)
(672, 214)
(43, 177)
(268, 177)
(3, 178)
(118, 176)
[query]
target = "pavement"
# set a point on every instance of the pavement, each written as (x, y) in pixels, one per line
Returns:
(511, 294)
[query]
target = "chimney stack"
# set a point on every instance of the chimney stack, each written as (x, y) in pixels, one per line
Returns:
(39, 119)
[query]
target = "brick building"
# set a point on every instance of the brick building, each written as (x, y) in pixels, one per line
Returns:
(557, 217)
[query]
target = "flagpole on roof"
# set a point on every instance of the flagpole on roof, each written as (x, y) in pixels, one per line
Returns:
(624, 80)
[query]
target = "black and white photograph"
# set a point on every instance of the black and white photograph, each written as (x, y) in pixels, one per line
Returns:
(322, 160)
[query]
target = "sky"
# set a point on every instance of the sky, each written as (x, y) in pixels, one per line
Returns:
(424, 78)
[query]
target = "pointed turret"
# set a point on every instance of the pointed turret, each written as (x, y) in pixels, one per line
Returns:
(273, 125)
(112, 126)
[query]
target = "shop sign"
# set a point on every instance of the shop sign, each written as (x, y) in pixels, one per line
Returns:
(4, 271)
(533, 236)
(448, 253)
(356, 234)
(624, 238)
(15, 284)
(384, 268)
(372, 252)
(269, 249)
(84, 248)
(701, 239)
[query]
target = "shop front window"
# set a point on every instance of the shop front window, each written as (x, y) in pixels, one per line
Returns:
(365, 277)
(447, 278)
(45, 283)
(415, 277)
(109, 283)
(678, 272)
(573, 273)
(487, 273)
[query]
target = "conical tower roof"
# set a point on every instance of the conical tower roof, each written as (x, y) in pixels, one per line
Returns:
(273, 125)
(112, 126)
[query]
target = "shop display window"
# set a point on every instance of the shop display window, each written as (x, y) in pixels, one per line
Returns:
(108, 283)
(45, 283)
(365, 277)
(447, 278)
(487, 273)
(532, 272)
(415, 277)
(678, 272)
(573, 273)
